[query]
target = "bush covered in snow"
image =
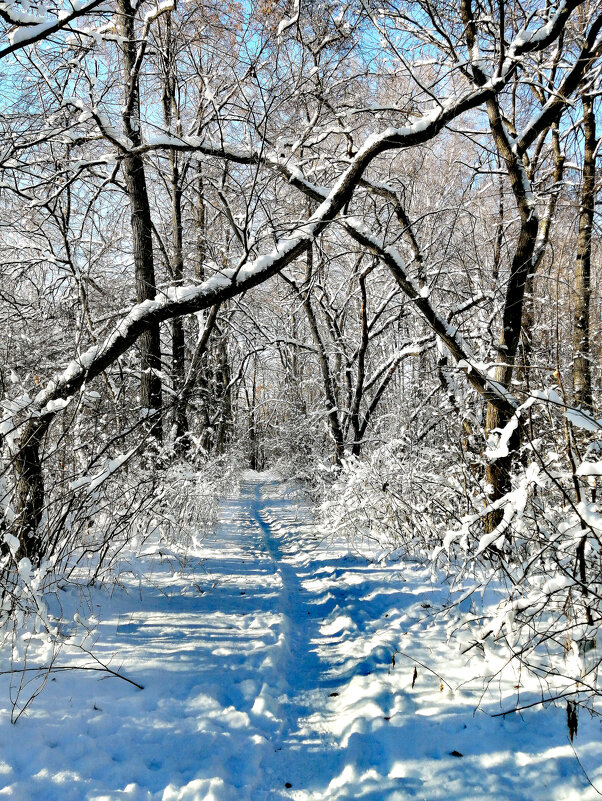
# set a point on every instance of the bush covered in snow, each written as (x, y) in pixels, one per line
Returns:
(525, 586)
(98, 531)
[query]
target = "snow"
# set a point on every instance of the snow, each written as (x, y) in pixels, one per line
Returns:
(184, 293)
(280, 663)
(57, 405)
(500, 449)
(18, 15)
(92, 483)
(589, 469)
(287, 23)
(26, 31)
(161, 8)
(102, 120)
(27, 34)
(11, 541)
(583, 419)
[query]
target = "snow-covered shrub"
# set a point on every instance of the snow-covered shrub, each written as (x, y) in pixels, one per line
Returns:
(540, 572)
(185, 506)
(391, 500)
(94, 530)
(532, 581)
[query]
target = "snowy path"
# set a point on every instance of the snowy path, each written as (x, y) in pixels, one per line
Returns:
(267, 672)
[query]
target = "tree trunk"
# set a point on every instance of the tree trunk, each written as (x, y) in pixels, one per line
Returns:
(29, 501)
(498, 472)
(528, 325)
(201, 232)
(178, 345)
(329, 390)
(253, 447)
(356, 426)
(224, 392)
(582, 377)
(135, 180)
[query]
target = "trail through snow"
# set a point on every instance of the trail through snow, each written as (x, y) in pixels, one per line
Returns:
(268, 673)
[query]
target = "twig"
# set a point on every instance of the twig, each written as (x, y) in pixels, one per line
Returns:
(535, 703)
(589, 781)
(426, 667)
(103, 669)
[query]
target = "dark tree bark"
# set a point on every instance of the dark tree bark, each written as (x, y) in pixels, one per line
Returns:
(178, 345)
(183, 398)
(528, 324)
(135, 180)
(356, 425)
(513, 151)
(327, 379)
(254, 461)
(522, 265)
(201, 228)
(582, 377)
(224, 393)
(29, 492)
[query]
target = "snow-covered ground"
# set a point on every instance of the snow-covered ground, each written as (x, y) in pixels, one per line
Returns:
(278, 664)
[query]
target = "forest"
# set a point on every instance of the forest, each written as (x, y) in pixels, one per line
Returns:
(350, 245)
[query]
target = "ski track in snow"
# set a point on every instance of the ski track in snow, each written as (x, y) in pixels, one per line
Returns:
(267, 670)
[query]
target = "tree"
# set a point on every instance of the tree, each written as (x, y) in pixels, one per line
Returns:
(582, 377)
(277, 118)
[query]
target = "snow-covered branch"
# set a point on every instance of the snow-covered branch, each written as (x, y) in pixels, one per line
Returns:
(33, 28)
